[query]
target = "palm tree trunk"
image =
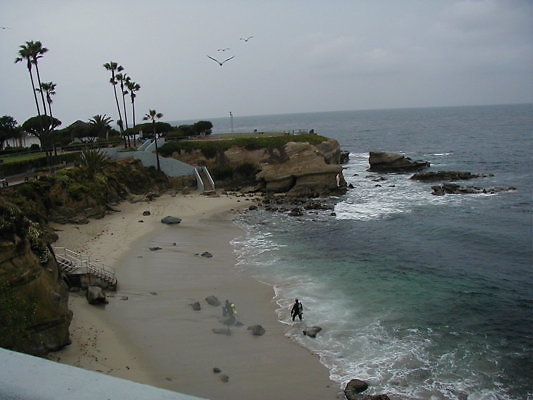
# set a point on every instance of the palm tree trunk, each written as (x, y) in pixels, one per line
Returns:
(118, 107)
(133, 114)
(125, 112)
(34, 92)
(39, 80)
(124, 105)
(119, 116)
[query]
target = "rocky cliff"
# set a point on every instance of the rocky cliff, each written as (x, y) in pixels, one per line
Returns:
(295, 168)
(34, 317)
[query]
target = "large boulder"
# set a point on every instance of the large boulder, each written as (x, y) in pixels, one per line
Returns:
(355, 387)
(381, 161)
(212, 300)
(95, 295)
(257, 330)
(169, 220)
(312, 331)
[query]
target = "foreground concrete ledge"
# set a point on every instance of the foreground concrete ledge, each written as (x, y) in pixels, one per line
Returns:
(24, 377)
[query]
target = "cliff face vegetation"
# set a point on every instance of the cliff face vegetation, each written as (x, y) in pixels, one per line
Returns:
(73, 195)
(302, 165)
(34, 317)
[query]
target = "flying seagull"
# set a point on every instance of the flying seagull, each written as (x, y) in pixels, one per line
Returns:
(224, 49)
(247, 38)
(221, 62)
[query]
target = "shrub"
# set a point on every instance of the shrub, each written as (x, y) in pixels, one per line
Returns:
(222, 173)
(76, 191)
(211, 148)
(246, 170)
(93, 161)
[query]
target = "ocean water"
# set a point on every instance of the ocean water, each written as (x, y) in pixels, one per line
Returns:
(424, 297)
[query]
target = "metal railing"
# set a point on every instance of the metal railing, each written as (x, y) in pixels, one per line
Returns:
(77, 263)
(198, 171)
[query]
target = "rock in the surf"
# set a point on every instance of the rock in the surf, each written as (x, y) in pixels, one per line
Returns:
(381, 161)
(312, 331)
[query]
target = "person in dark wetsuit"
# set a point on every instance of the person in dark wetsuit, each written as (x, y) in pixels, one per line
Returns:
(297, 310)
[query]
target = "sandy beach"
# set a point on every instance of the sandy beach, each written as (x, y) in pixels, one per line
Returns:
(149, 332)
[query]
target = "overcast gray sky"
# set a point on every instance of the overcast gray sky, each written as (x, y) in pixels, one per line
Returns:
(305, 55)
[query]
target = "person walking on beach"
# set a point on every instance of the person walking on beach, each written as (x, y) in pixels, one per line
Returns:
(297, 310)
(228, 310)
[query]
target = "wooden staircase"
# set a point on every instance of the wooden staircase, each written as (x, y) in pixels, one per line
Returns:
(77, 264)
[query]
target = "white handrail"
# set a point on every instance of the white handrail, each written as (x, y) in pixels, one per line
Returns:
(83, 263)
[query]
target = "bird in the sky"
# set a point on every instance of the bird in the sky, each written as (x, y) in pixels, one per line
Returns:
(220, 62)
(247, 38)
(224, 49)
(4, 27)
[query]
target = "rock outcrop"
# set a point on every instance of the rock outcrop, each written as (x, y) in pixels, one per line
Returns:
(433, 176)
(296, 168)
(381, 161)
(308, 170)
(452, 188)
(34, 317)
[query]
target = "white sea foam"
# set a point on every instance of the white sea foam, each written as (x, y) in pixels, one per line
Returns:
(377, 196)
(353, 342)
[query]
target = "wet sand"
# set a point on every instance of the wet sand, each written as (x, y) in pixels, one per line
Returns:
(150, 333)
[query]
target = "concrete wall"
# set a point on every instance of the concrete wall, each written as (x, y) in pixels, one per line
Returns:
(24, 377)
(170, 166)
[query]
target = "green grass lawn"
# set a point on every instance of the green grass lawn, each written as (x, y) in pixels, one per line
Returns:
(17, 157)
(245, 135)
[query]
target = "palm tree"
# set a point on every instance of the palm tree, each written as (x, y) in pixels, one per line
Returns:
(101, 124)
(122, 79)
(153, 115)
(133, 87)
(36, 51)
(50, 89)
(25, 54)
(114, 67)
